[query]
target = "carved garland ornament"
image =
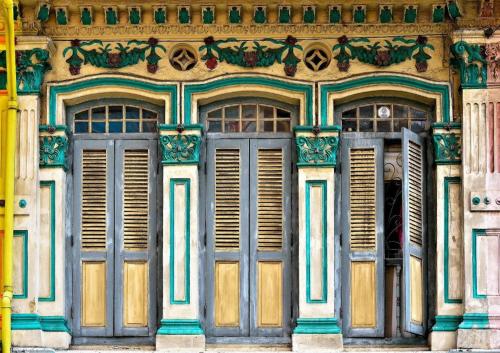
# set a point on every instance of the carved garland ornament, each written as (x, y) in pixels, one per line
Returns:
(259, 55)
(180, 149)
(53, 152)
(382, 55)
(101, 55)
(317, 151)
(447, 148)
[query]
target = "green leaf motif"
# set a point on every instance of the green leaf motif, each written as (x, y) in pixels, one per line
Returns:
(134, 16)
(208, 16)
(183, 16)
(359, 15)
(111, 17)
(284, 16)
(86, 17)
(410, 14)
(317, 151)
(335, 15)
(385, 15)
(180, 149)
(438, 14)
(160, 16)
(43, 13)
(234, 15)
(54, 152)
(447, 148)
(472, 66)
(61, 17)
(260, 15)
(309, 15)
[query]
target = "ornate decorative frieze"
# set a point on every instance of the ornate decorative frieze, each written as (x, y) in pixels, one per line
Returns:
(31, 67)
(101, 55)
(447, 148)
(382, 55)
(260, 55)
(54, 152)
(493, 61)
(469, 60)
(180, 149)
(316, 151)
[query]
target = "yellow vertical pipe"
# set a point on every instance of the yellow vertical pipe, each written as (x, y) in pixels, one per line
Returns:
(9, 155)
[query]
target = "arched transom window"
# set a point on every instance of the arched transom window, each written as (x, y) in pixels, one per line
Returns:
(115, 117)
(383, 115)
(247, 116)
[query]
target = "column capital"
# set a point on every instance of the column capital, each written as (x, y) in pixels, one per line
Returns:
(317, 146)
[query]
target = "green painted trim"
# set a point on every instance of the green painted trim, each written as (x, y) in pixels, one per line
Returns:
(440, 88)
(173, 127)
(117, 81)
(24, 234)
(475, 233)
(309, 128)
(446, 323)
(446, 186)
(450, 125)
(39, 322)
(180, 327)
(180, 149)
(190, 89)
(324, 296)
(57, 127)
(52, 185)
(474, 321)
(187, 258)
(317, 326)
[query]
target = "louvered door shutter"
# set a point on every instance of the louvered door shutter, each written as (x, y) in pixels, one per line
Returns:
(414, 229)
(363, 234)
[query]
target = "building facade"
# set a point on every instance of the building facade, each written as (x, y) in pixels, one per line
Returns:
(307, 173)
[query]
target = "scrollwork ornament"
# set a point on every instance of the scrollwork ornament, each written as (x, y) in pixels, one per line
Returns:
(469, 60)
(317, 151)
(54, 152)
(447, 148)
(180, 149)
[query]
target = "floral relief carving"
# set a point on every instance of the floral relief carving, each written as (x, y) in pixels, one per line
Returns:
(447, 148)
(54, 152)
(180, 149)
(317, 151)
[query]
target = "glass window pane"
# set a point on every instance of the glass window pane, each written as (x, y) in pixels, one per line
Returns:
(82, 115)
(349, 114)
(132, 113)
(99, 113)
(418, 114)
(215, 114)
(280, 113)
(249, 126)
(232, 126)
(81, 127)
(418, 126)
(115, 126)
(214, 126)
(149, 126)
(366, 112)
(115, 112)
(349, 125)
(366, 125)
(98, 127)
(400, 112)
(399, 124)
(232, 112)
(266, 125)
(148, 114)
(384, 125)
(249, 112)
(132, 126)
(283, 125)
(266, 112)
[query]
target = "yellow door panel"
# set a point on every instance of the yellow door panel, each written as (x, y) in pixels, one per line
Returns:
(363, 294)
(93, 293)
(135, 294)
(270, 294)
(227, 293)
(416, 290)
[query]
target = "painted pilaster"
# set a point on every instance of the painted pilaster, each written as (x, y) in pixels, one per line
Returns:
(317, 327)
(481, 213)
(38, 318)
(449, 238)
(180, 325)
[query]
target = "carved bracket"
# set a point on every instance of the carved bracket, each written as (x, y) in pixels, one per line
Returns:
(392, 52)
(316, 151)
(31, 66)
(447, 148)
(469, 60)
(54, 152)
(180, 149)
(101, 55)
(259, 55)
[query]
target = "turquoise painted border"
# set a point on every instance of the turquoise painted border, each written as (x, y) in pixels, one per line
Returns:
(324, 297)
(440, 88)
(187, 258)
(52, 185)
(39, 322)
(446, 185)
(306, 128)
(307, 89)
(476, 233)
(180, 327)
(24, 234)
(317, 326)
(173, 127)
(109, 81)
(447, 323)
(474, 321)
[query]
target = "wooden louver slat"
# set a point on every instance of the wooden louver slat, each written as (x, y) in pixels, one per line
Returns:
(227, 199)
(135, 199)
(270, 199)
(94, 200)
(415, 191)
(362, 199)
